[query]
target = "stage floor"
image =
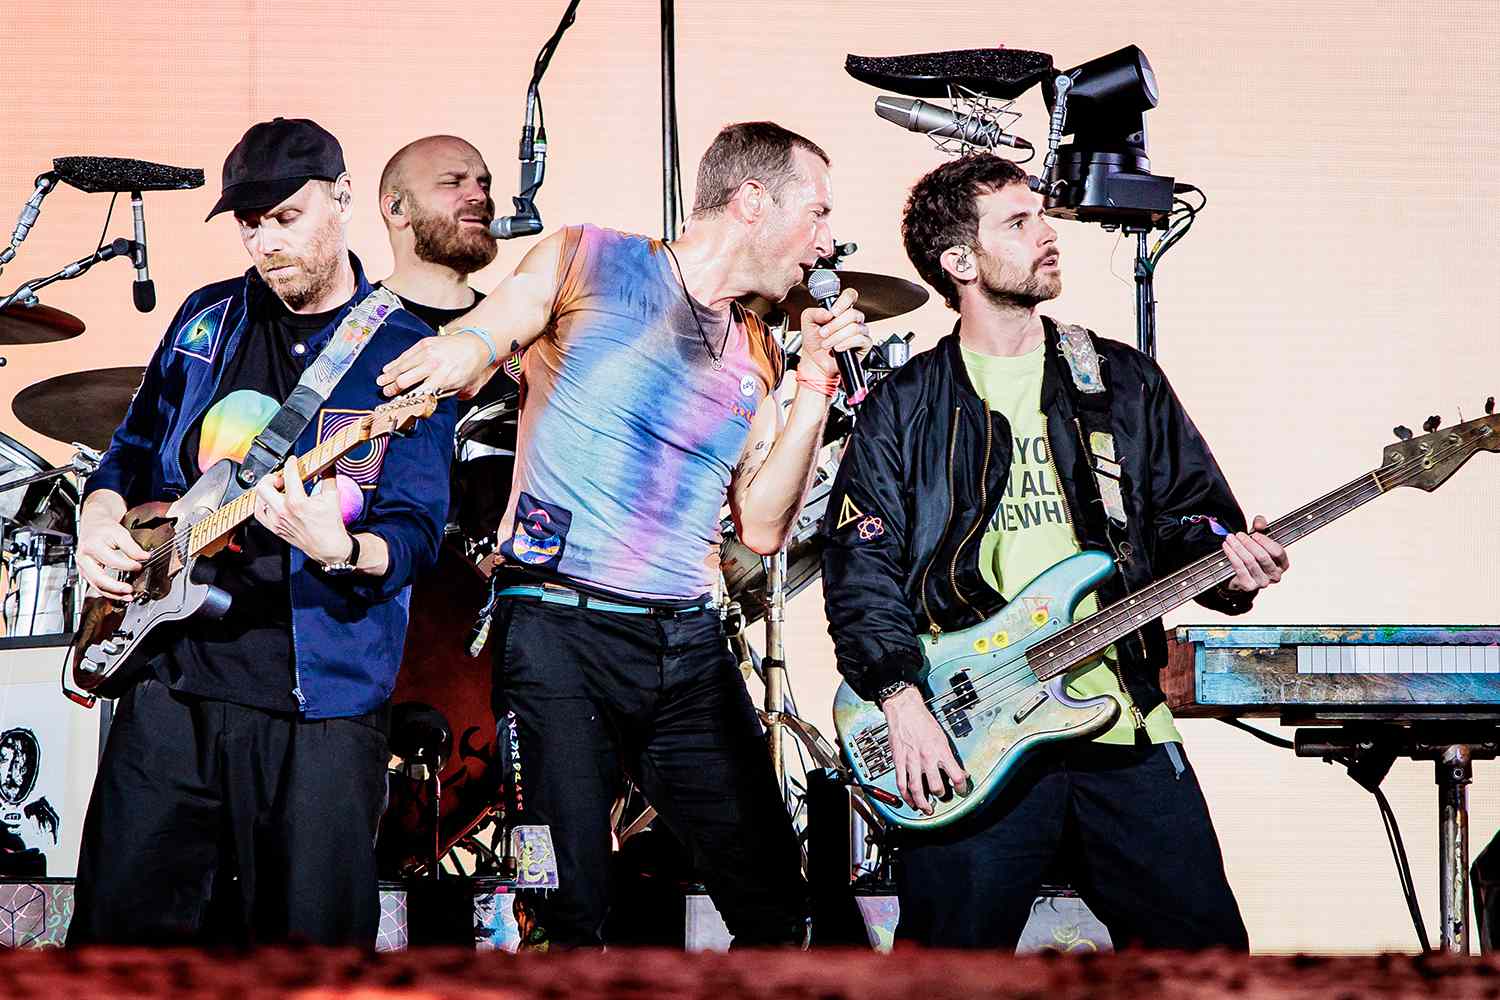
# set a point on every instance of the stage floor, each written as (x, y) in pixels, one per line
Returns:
(310, 974)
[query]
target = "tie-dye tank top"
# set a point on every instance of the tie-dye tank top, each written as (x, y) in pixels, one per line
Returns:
(628, 435)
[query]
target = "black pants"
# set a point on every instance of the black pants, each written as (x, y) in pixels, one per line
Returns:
(595, 691)
(215, 823)
(1136, 830)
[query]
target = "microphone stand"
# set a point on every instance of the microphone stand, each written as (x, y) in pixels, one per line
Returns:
(671, 169)
(26, 294)
(773, 665)
(1145, 293)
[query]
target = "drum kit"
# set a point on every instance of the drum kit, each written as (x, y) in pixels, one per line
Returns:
(39, 501)
(450, 804)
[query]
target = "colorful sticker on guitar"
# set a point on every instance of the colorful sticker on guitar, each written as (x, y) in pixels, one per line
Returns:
(1040, 609)
(199, 337)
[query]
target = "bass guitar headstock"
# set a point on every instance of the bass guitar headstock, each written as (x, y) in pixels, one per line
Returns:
(1428, 461)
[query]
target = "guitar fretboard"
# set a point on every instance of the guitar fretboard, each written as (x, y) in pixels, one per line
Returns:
(239, 510)
(1094, 634)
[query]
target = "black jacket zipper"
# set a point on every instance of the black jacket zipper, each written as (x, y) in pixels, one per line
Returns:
(932, 625)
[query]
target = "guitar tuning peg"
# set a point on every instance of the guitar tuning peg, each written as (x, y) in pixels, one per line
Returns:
(1489, 406)
(1402, 431)
(1432, 423)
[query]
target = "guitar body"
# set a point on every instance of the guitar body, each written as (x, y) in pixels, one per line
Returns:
(110, 631)
(993, 707)
(177, 582)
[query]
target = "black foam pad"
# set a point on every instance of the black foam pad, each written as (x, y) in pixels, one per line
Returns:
(113, 173)
(1002, 73)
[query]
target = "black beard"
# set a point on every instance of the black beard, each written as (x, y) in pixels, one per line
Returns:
(1003, 290)
(442, 240)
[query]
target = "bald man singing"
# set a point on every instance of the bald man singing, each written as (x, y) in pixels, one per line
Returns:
(436, 205)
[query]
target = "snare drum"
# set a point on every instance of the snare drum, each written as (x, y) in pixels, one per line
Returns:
(37, 524)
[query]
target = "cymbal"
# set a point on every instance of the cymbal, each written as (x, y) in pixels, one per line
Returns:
(37, 325)
(881, 296)
(80, 406)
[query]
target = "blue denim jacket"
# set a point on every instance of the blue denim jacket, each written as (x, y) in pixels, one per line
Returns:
(348, 631)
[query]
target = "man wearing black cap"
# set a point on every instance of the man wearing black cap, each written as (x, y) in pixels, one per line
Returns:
(238, 795)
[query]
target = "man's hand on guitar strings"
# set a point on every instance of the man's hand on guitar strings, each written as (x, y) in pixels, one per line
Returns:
(1257, 560)
(313, 522)
(106, 548)
(920, 751)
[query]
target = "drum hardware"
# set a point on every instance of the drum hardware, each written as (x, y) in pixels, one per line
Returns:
(25, 295)
(773, 664)
(38, 525)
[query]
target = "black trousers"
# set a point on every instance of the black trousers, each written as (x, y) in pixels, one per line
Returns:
(213, 823)
(1141, 849)
(597, 691)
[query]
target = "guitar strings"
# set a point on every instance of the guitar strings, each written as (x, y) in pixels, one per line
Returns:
(169, 544)
(1340, 501)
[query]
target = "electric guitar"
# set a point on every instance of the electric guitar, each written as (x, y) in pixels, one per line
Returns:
(181, 537)
(998, 689)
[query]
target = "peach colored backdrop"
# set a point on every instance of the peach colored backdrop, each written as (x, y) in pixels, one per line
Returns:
(1340, 282)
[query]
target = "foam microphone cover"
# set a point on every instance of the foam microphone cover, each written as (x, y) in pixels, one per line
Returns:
(1002, 73)
(112, 173)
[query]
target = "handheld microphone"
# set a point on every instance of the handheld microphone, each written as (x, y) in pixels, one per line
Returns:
(143, 290)
(44, 184)
(824, 286)
(935, 120)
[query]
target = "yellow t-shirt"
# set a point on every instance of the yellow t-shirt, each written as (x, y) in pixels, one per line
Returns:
(1033, 527)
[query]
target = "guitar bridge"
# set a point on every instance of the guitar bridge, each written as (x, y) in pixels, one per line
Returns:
(1036, 702)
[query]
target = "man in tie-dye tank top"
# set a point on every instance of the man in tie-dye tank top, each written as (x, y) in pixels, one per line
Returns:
(648, 407)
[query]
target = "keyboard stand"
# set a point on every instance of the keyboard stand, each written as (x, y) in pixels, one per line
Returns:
(1370, 749)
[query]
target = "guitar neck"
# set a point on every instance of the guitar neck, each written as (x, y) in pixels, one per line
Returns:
(1086, 639)
(239, 510)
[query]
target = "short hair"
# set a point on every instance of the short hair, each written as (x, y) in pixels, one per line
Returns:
(745, 151)
(942, 211)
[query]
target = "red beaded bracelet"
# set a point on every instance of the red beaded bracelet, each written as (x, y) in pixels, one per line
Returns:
(828, 385)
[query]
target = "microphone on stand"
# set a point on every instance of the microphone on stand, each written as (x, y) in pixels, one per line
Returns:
(526, 221)
(143, 290)
(824, 286)
(936, 120)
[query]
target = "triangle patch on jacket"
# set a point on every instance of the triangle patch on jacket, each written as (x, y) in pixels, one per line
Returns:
(200, 336)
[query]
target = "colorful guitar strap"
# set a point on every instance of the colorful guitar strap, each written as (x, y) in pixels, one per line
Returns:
(275, 442)
(1077, 349)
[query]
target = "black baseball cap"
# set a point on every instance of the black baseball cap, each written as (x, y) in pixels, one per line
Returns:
(273, 160)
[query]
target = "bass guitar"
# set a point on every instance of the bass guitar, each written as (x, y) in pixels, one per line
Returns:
(998, 689)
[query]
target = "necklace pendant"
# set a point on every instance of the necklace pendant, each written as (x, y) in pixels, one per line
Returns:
(718, 365)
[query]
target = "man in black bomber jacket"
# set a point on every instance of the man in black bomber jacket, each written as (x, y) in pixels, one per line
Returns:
(971, 470)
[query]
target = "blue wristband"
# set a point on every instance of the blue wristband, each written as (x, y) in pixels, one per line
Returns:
(484, 336)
